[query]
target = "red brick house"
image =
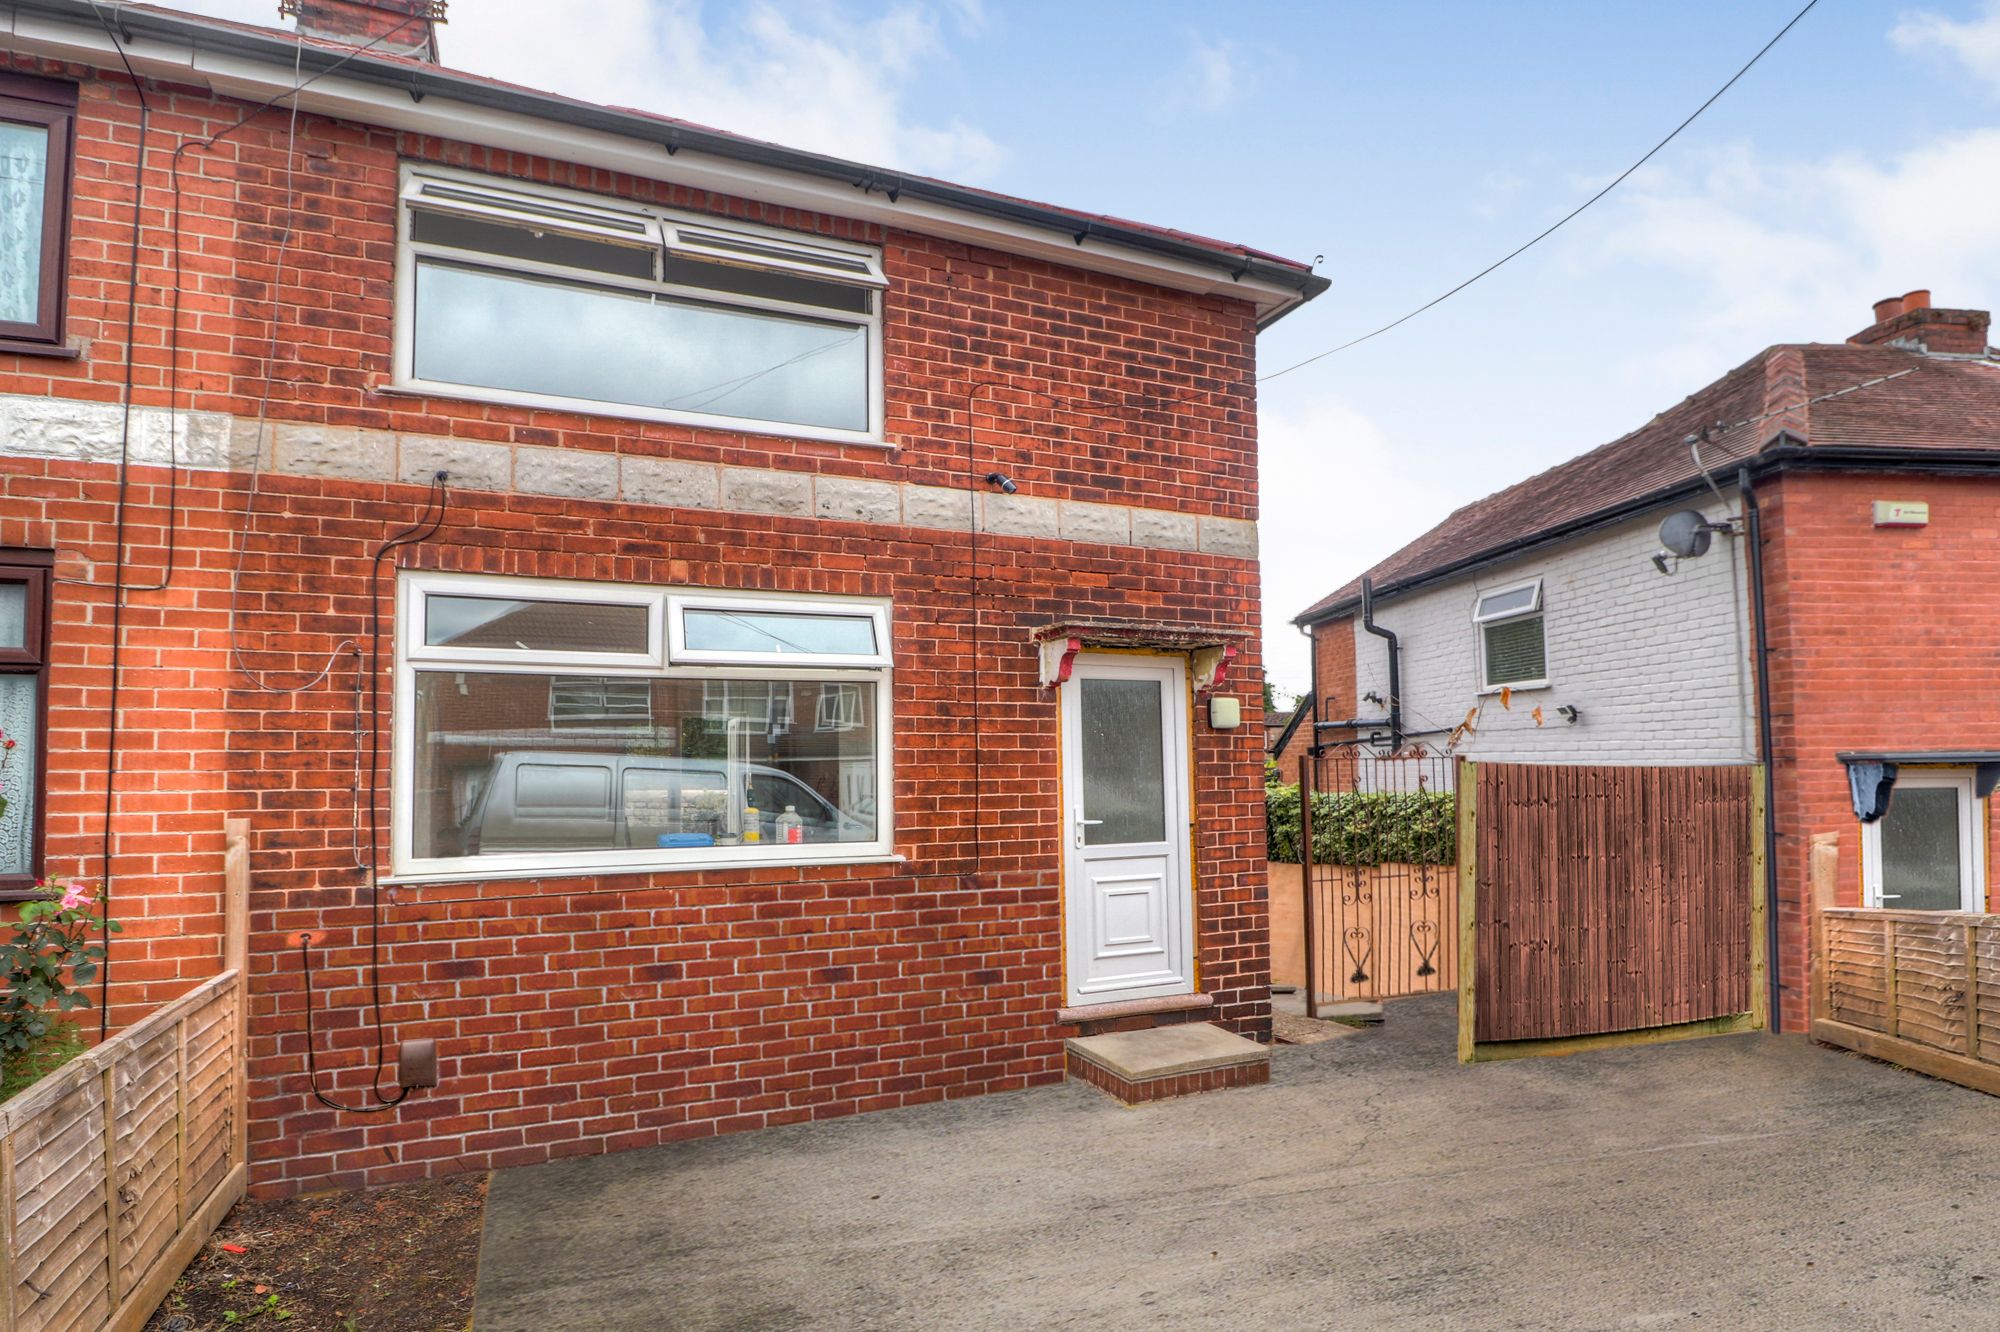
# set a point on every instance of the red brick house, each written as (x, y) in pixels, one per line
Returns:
(707, 633)
(1832, 603)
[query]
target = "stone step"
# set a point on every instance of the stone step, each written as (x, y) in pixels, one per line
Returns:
(1160, 1062)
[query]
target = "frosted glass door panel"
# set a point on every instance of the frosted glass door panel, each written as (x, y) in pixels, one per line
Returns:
(19, 703)
(1124, 762)
(1920, 850)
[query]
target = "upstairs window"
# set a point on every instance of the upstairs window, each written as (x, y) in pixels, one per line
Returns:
(1512, 650)
(541, 297)
(37, 123)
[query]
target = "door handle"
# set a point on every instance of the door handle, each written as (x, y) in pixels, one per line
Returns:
(1082, 823)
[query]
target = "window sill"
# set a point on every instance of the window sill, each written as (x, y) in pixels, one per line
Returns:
(620, 412)
(54, 351)
(1525, 687)
(417, 878)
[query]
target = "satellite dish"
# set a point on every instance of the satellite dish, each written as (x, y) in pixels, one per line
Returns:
(1685, 533)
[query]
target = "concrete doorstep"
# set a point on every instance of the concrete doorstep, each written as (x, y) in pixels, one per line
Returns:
(1160, 1062)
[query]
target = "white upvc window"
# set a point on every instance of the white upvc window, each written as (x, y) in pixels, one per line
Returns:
(548, 727)
(1928, 850)
(1513, 648)
(526, 294)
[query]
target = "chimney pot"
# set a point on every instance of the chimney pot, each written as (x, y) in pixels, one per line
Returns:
(1920, 299)
(1912, 323)
(1888, 309)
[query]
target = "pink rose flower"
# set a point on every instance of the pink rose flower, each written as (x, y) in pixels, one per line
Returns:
(76, 895)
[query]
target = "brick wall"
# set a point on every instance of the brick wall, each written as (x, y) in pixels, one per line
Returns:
(1882, 638)
(582, 1014)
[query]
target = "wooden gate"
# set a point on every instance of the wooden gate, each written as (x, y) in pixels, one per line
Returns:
(1607, 905)
(1381, 879)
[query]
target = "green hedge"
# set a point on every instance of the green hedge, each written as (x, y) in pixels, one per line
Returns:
(1365, 827)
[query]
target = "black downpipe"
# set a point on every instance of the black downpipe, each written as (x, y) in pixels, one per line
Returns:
(1754, 536)
(1395, 663)
(1312, 689)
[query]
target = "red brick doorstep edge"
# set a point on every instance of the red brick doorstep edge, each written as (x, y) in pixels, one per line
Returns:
(1159, 1089)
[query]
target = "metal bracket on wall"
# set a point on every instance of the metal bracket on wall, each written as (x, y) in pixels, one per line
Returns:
(1058, 659)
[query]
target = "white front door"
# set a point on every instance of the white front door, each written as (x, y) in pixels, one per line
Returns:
(1128, 891)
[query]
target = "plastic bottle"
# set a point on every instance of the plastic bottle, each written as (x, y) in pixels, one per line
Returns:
(790, 830)
(752, 830)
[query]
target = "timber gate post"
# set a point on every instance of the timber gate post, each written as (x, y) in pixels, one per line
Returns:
(1467, 783)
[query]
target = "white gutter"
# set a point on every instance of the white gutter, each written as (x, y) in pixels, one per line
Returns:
(374, 103)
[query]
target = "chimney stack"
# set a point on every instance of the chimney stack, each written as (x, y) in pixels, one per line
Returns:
(1912, 323)
(395, 27)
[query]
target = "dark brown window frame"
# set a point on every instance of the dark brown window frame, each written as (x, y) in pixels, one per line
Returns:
(35, 569)
(31, 101)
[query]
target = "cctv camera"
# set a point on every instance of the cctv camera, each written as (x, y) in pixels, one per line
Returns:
(1006, 483)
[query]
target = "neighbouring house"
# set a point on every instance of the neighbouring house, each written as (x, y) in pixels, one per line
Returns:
(707, 633)
(1810, 544)
(1287, 734)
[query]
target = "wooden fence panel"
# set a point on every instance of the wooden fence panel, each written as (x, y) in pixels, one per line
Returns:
(1611, 899)
(1918, 988)
(117, 1167)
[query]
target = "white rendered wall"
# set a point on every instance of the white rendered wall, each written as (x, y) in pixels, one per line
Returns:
(1659, 667)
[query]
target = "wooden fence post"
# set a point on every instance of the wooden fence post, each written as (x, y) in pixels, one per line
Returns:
(236, 956)
(114, 1277)
(1824, 870)
(1760, 959)
(8, 1263)
(1891, 1019)
(1971, 990)
(1468, 902)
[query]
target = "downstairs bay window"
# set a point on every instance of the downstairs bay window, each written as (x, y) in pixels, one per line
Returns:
(566, 728)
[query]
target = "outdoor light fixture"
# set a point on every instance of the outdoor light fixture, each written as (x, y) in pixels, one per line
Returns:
(1001, 480)
(1569, 713)
(1660, 559)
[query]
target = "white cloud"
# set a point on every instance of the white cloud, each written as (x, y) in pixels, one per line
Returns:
(1975, 43)
(820, 81)
(1770, 251)
(1336, 498)
(1214, 75)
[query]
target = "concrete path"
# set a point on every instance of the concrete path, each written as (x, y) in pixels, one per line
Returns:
(1737, 1182)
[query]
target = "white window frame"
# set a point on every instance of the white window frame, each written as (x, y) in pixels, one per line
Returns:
(1971, 837)
(619, 221)
(1535, 610)
(679, 604)
(412, 657)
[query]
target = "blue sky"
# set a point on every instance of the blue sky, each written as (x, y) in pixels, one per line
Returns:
(1410, 144)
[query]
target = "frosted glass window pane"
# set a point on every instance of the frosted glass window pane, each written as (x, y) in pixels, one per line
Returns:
(24, 169)
(1124, 762)
(1920, 850)
(531, 335)
(13, 615)
(779, 632)
(552, 626)
(19, 715)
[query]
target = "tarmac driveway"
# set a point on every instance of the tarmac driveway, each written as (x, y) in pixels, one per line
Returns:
(1743, 1181)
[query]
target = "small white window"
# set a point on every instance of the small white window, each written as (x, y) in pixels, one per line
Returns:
(761, 632)
(1927, 852)
(545, 727)
(1513, 651)
(531, 295)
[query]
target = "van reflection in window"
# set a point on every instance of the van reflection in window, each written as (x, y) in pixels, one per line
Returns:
(511, 763)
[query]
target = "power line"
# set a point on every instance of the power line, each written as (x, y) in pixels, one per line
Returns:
(1560, 222)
